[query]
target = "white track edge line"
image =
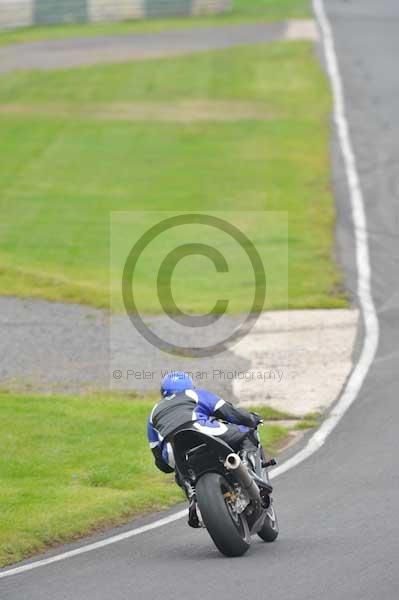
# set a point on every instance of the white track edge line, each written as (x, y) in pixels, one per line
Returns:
(95, 545)
(368, 311)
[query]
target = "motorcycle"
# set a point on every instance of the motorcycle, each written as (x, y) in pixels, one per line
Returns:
(232, 490)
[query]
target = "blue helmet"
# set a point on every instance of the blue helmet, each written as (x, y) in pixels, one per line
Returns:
(176, 381)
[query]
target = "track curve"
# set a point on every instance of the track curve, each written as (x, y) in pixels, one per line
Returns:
(338, 510)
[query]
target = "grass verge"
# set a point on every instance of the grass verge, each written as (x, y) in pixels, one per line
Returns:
(70, 465)
(243, 11)
(97, 150)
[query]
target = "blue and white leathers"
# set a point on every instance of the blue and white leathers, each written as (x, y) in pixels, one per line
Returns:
(200, 408)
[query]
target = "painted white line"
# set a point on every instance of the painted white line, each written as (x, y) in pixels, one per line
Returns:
(367, 307)
(95, 545)
(369, 315)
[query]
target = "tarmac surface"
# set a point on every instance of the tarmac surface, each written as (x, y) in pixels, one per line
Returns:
(295, 361)
(338, 510)
(58, 54)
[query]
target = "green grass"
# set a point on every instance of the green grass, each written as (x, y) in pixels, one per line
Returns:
(70, 465)
(65, 170)
(272, 414)
(243, 11)
(309, 421)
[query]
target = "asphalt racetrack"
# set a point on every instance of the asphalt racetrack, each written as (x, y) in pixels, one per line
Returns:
(338, 510)
(57, 54)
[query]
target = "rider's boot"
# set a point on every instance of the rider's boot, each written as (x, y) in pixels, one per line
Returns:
(248, 453)
(248, 457)
(193, 519)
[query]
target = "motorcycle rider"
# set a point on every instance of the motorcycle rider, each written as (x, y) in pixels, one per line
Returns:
(184, 405)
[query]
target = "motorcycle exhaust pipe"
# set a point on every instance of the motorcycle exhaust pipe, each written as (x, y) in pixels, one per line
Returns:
(234, 463)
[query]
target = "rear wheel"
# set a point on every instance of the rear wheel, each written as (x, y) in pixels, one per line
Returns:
(227, 528)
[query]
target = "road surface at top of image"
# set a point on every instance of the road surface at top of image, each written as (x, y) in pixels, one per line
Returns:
(338, 509)
(58, 54)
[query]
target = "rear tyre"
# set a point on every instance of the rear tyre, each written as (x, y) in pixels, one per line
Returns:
(270, 529)
(227, 528)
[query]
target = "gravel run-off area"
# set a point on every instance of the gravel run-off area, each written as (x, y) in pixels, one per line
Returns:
(295, 361)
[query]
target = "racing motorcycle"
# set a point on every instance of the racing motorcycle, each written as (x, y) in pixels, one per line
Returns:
(232, 491)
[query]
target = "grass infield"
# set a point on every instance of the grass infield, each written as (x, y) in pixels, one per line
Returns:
(240, 129)
(71, 465)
